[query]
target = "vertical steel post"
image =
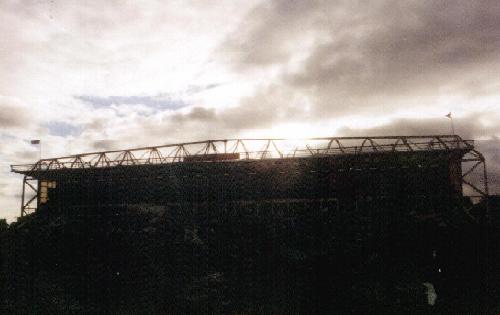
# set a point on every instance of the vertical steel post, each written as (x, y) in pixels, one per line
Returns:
(22, 196)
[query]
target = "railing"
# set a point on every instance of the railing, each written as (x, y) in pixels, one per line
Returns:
(248, 149)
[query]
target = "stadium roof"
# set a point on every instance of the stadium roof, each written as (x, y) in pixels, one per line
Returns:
(248, 149)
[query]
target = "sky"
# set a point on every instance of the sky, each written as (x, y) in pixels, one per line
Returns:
(97, 75)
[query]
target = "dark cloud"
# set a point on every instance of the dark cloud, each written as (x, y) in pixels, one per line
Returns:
(370, 54)
(261, 38)
(468, 127)
(410, 52)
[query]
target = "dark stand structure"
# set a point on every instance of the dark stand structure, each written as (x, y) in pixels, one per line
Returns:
(347, 169)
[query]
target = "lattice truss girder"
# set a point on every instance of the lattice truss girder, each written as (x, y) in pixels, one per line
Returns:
(249, 149)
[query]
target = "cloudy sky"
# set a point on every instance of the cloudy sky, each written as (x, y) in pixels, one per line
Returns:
(95, 75)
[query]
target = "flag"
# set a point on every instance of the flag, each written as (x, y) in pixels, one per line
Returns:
(35, 141)
(449, 115)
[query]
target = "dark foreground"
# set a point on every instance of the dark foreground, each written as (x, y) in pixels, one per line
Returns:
(305, 261)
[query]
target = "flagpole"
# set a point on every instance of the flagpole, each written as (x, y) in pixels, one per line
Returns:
(39, 143)
(451, 122)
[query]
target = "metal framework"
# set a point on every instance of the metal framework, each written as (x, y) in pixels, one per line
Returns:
(29, 196)
(259, 149)
(474, 176)
(249, 149)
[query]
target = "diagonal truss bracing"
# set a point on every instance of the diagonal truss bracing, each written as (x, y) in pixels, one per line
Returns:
(249, 149)
(29, 196)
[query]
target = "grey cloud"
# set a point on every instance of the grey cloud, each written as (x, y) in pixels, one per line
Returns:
(410, 51)
(26, 156)
(367, 54)
(266, 108)
(196, 114)
(259, 111)
(97, 124)
(105, 145)
(13, 116)
(468, 127)
(260, 39)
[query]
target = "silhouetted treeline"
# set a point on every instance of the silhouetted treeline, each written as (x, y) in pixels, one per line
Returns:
(223, 260)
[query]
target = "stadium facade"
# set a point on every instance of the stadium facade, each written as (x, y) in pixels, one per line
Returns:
(426, 175)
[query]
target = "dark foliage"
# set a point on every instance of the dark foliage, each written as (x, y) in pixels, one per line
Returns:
(308, 260)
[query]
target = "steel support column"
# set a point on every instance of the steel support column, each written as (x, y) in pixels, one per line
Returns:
(30, 186)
